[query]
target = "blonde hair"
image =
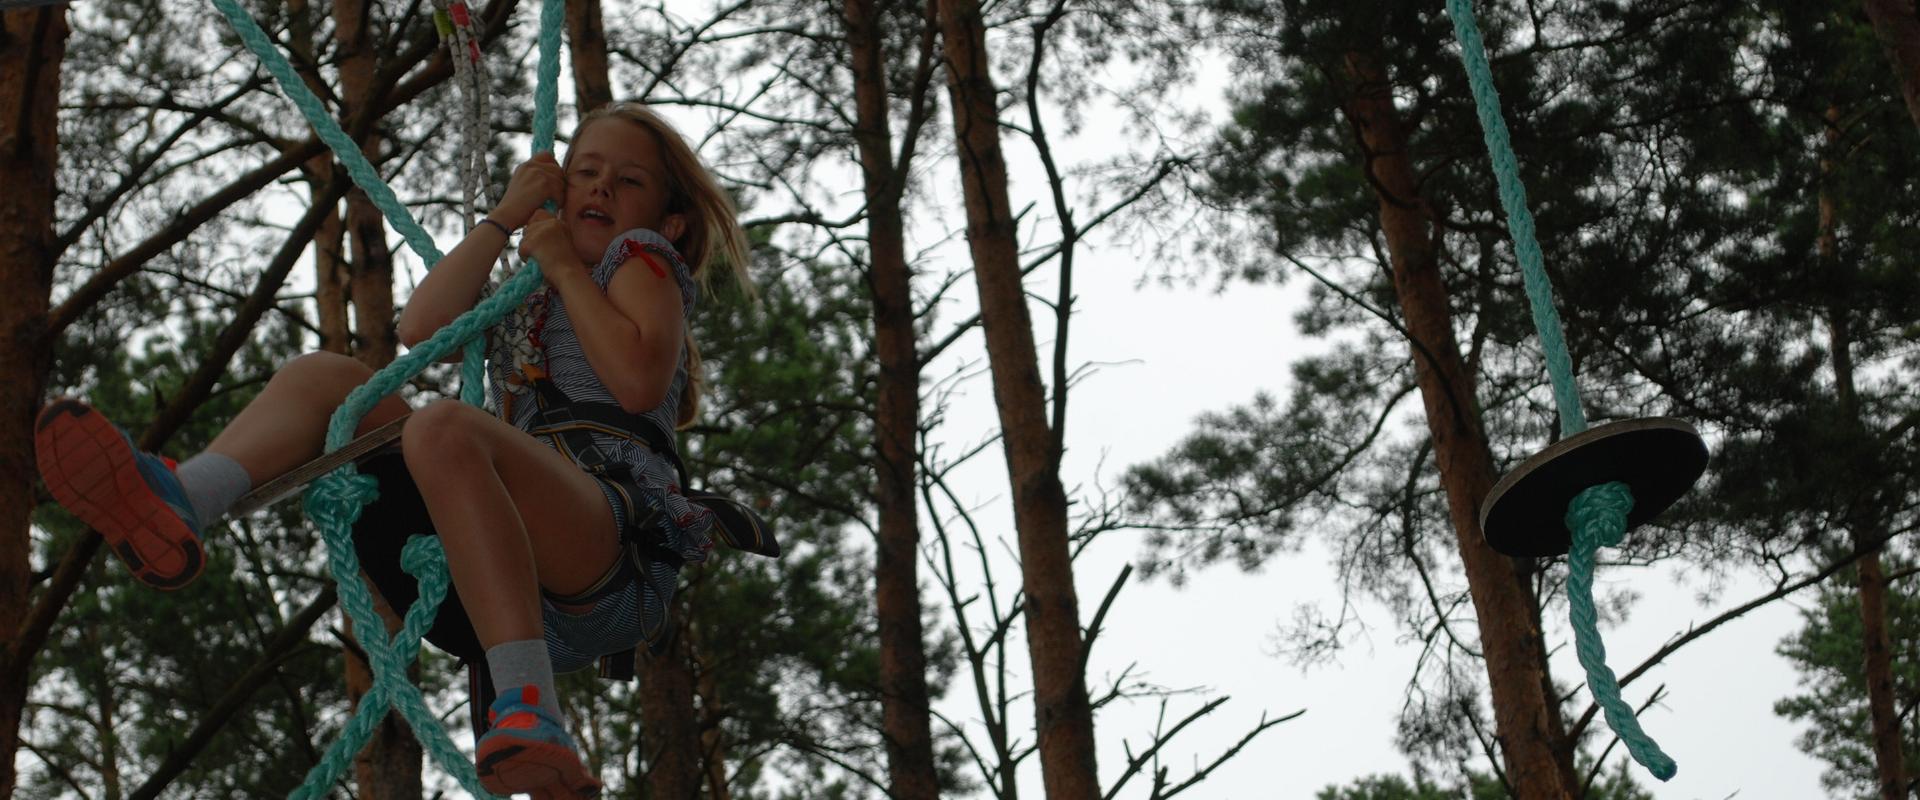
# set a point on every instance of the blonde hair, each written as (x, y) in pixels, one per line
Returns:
(713, 223)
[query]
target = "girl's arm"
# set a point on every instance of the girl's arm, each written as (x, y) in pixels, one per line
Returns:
(631, 333)
(452, 287)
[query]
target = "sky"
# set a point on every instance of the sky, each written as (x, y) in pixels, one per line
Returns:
(1172, 353)
(1218, 631)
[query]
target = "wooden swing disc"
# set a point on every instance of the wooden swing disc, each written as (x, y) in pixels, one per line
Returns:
(1660, 458)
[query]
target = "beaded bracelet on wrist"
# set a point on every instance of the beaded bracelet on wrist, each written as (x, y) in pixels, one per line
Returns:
(504, 231)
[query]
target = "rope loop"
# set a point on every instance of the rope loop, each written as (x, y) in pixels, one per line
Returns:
(423, 558)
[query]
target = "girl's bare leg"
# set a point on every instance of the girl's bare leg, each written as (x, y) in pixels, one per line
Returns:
(286, 424)
(513, 514)
(144, 511)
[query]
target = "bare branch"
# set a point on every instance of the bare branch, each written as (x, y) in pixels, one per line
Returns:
(1230, 752)
(179, 757)
(1093, 629)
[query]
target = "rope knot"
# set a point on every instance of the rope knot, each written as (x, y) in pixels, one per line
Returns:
(423, 558)
(1598, 515)
(336, 500)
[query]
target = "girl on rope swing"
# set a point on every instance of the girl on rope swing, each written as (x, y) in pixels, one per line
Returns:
(533, 539)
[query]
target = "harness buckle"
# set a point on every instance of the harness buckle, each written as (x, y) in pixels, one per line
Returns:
(591, 460)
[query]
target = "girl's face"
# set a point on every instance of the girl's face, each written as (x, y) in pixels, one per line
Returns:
(616, 181)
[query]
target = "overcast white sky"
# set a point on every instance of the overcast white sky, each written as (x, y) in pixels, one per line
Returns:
(1216, 634)
(1717, 722)
(1180, 352)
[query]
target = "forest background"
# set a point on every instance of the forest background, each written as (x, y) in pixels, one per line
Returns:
(1255, 244)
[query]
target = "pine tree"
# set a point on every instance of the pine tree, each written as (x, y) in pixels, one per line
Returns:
(1063, 714)
(1833, 703)
(1629, 178)
(870, 27)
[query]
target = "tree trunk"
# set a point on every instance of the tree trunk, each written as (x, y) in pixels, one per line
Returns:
(1062, 714)
(330, 281)
(1863, 523)
(906, 714)
(329, 259)
(670, 733)
(33, 43)
(713, 737)
(1565, 747)
(1502, 601)
(587, 44)
(371, 284)
(1898, 27)
(1879, 666)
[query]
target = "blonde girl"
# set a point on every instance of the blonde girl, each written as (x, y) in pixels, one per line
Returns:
(533, 539)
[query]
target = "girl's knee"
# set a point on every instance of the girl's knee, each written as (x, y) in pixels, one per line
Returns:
(443, 429)
(323, 369)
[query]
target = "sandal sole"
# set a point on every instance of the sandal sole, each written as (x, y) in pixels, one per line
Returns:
(89, 468)
(545, 770)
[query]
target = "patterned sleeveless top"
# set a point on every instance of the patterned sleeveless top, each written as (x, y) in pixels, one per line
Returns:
(540, 337)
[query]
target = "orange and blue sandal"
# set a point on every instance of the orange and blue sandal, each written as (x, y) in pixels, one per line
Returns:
(527, 750)
(132, 498)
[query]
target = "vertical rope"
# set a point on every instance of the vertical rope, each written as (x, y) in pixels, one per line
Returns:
(335, 501)
(1513, 197)
(1598, 516)
(454, 22)
(546, 91)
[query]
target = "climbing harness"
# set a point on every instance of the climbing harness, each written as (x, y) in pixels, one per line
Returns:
(570, 425)
(1588, 489)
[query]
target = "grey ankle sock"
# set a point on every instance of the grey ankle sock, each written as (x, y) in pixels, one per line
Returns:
(213, 482)
(522, 663)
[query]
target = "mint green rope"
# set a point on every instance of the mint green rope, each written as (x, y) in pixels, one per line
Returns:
(472, 377)
(1598, 516)
(363, 173)
(335, 501)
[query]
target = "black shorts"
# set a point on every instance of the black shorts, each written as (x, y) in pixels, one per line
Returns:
(611, 623)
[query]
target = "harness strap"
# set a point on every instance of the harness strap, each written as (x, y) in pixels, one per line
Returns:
(572, 422)
(570, 425)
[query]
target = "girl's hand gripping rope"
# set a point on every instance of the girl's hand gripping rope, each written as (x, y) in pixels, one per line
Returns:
(547, 241)
(534, 182)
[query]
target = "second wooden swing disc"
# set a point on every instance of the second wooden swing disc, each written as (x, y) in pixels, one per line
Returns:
(1660, 458)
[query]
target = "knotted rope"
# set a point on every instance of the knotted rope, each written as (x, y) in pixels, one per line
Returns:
(1598, 516)
(335, 501)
